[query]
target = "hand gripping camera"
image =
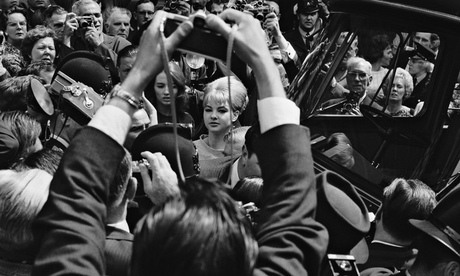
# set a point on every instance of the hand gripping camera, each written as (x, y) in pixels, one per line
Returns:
(85, 21)
(216, 44)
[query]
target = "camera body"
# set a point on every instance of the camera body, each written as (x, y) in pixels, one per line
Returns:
(259, 9)
(216, 44)
(85, 21)
(171, 6)
(342, 265)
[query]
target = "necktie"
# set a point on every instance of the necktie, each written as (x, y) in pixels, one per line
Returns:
(414, 79)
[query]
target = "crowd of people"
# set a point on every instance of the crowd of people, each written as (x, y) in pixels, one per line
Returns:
(190, 169)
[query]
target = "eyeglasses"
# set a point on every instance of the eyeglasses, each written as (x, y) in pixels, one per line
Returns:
(360, 75)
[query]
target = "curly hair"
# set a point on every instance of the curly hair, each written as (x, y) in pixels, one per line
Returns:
(407, 81)
(32, 37)
(4, 16)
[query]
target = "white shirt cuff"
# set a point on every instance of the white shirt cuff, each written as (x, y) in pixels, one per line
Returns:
(276, 111)
(113, 121)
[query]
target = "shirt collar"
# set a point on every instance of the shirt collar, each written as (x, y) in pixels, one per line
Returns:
(235, 177)
(122, 225)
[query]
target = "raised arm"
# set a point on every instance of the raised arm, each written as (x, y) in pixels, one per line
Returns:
(290, 241)
(71, 226)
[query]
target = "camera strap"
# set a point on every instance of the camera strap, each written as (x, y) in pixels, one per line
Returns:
(231, 39)
(164, 56)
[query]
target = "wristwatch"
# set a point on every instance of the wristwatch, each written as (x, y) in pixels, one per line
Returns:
(126, 96)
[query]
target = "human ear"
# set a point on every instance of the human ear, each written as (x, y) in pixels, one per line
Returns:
(235, 116)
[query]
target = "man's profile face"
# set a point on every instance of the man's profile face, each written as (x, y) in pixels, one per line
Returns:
(307, 21)
(118, 24)
(126, 64)
(93, 9)
(417, 66)
(423, 38)
(252, 167)
(144, 13)
(56, 23)
(358, 78)
(34, 4)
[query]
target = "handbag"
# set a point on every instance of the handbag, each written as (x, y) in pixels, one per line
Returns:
(75, 99)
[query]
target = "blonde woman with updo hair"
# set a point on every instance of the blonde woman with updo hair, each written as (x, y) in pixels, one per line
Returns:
(400, 90)
(219, 117)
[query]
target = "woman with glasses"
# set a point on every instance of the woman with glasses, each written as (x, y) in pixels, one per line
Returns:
(14, 27)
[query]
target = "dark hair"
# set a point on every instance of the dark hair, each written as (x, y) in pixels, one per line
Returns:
(249, 140)
(249, 189)
(52, 10)
(432, 253)
(37, 18)
(13, 93)
(403, 200)
(4, 15)
(44, 159)
(118, 186)
(205, 223)
(377, 44)
(32, 37)
(180, 81)
(140, 2)
(25, 130)
(128, 51)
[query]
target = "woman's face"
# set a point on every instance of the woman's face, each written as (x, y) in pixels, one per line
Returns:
(397, 90)
(16, 27)
(161, 90)
(216, 117)
(43, 50)
(387, 56)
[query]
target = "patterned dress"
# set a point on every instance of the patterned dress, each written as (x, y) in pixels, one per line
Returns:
(12, 59)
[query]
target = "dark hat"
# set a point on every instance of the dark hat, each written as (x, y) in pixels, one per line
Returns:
(88, 68)
(160, 138)
(342, 211)
(41, 98)
(444, 223)
(307, 6)
(9, 146)
(423, 52)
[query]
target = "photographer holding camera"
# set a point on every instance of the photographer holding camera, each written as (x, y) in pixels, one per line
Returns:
(200, 231)
(87, 24)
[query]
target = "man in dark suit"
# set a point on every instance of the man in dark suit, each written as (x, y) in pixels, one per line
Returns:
(392, 244)
(296, 44)
(119, 240)
(420, 66)
(289, 240)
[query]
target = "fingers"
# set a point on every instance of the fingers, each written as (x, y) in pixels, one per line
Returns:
(217, 24)
(179, 34)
